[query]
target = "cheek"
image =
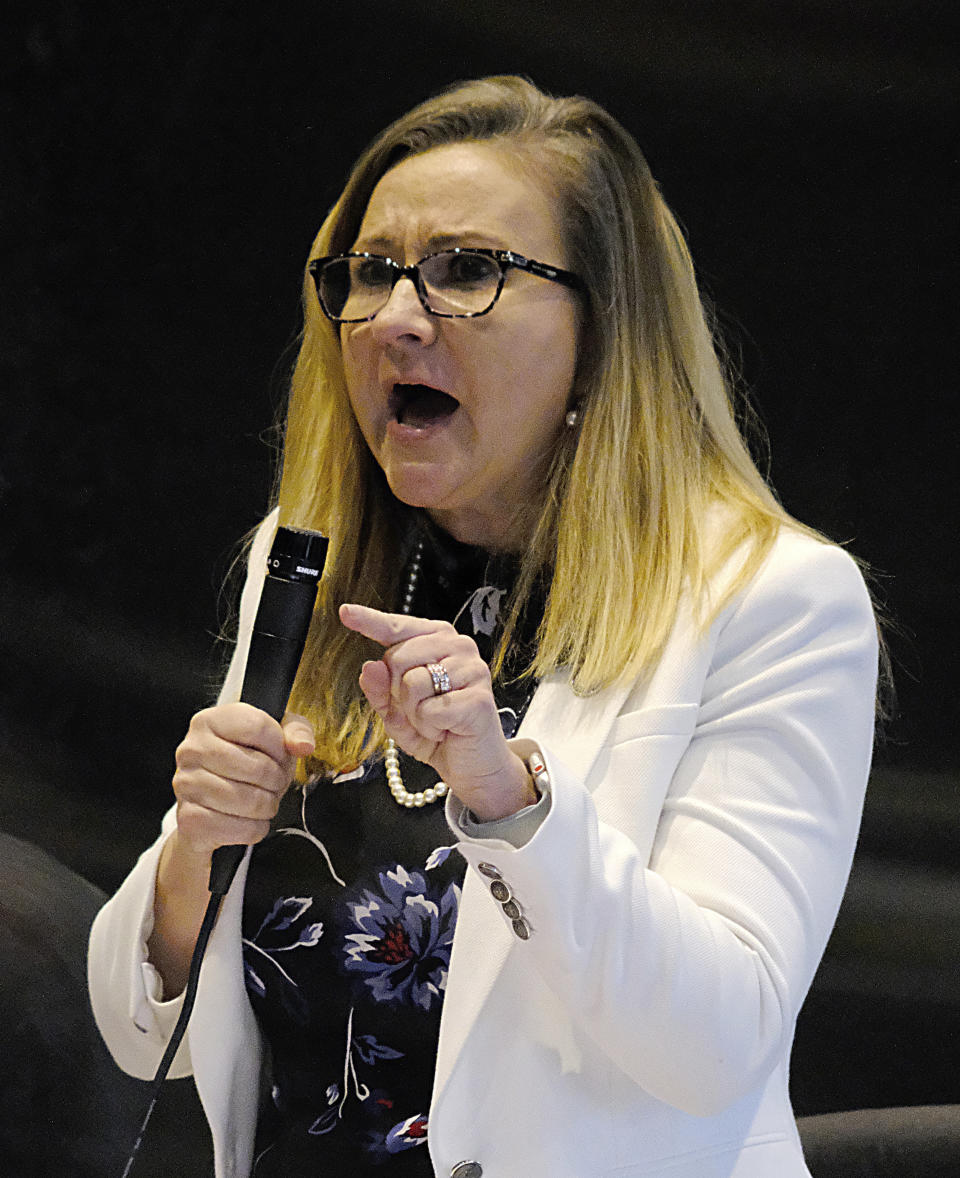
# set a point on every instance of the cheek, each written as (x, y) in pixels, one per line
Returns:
(539, 352)
(348, 356)
(361, 404)
(551, 368)
(354, 371)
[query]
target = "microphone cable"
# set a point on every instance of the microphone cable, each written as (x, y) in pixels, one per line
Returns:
(294, 569)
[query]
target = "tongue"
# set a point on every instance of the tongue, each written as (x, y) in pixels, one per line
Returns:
(421, 405)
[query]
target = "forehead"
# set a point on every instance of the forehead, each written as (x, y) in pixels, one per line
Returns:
(467, 194)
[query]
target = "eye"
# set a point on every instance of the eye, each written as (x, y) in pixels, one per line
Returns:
(462, 271)
(371, 271)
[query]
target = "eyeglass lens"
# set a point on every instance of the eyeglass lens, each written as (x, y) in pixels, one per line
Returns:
(452, 283)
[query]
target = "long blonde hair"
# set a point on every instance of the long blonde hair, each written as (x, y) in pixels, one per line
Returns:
(622, 529)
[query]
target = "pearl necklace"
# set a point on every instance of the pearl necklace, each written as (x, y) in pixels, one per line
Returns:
(391, 759)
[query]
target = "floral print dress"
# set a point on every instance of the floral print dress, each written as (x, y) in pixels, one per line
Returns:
(349, 913)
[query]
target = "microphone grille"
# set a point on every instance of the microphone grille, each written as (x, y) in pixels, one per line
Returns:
(298, 554)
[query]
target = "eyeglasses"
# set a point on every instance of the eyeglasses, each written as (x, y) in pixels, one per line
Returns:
(454, 283)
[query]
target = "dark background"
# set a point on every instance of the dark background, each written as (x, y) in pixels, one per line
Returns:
(163, 168)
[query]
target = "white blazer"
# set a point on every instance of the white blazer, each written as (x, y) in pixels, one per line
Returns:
(678, 897)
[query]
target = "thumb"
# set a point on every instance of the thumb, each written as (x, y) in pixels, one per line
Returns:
(297, 734)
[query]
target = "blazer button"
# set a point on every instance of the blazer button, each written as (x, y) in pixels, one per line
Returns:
(522, 929)
(500, 891)
(467, 1170)
(511, 910)
(488, 870)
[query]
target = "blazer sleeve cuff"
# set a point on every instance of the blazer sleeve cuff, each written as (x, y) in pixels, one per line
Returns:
(516, 830)
(125, 990)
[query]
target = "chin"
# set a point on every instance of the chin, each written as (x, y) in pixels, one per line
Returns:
(417, 492)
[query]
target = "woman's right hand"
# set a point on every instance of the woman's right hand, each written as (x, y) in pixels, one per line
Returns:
(233, 767)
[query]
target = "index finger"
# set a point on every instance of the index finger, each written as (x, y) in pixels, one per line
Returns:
(245, 725)
(387, 629)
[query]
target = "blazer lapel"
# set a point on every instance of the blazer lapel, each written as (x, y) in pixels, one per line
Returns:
(572, 729)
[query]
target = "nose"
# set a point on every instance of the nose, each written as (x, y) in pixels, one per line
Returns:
(403, 317)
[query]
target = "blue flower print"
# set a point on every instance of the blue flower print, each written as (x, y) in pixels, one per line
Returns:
(438, 856)
(282, 930)
(407, 1134)
(369, 1050)
(330, 1116)
(404, 934)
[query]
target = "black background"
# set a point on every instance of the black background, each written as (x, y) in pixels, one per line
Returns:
(164, 167)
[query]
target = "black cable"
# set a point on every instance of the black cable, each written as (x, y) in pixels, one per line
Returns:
(189, 996)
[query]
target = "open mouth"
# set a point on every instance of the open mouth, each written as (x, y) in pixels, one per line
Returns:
(420, 405)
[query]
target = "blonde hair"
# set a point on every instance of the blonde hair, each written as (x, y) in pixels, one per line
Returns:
(628, 492)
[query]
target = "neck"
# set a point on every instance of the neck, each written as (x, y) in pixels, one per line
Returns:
(510, 532)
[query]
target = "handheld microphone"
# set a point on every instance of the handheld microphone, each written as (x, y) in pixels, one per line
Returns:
(280, 629)
(294, 569)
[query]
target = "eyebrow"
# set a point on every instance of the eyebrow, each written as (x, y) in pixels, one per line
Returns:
(434, 243)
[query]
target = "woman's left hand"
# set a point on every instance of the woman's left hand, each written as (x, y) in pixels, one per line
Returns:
(458, 732)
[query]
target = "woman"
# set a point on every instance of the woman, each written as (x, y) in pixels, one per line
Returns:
(561, 596)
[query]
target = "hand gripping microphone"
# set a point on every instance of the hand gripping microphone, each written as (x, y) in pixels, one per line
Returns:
(280, 629)
(294, 569)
